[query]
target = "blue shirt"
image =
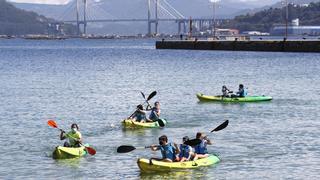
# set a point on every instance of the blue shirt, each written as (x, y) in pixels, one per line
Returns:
(201, 148)
(241, 93)
(184, 151)
(139, 116)
(153, 115)
(168, 151)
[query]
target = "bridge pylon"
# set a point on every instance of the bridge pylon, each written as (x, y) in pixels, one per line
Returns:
(84, 21)
(154, 21)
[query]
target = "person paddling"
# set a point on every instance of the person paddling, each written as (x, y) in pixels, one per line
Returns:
(185, 150)
(168, 151)
(241, 92)
(139, 115)
(155, 111)
(74, 136)
(225, 91)
(201, 149)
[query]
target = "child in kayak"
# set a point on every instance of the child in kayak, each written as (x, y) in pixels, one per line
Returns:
(74, 136)
(168, 151)
(201, 149)
(155, 111)
(139, 115)
(185, 150)
(225, 91)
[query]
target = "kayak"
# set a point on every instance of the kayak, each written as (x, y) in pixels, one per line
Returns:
(203, 97)
(159, 166)
(133, 124)
(61, 152)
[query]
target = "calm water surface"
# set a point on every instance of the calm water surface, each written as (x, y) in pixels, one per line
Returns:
(96, 83)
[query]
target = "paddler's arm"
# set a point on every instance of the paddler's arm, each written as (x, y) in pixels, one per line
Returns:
(141, 111)
(158, 113)
(80, 138)
(177, 148)
(132, 115)
(62, 136)
(154, 147)
(208, 140)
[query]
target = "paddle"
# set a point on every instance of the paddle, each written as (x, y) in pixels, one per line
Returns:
(194, 142)
(221, 126)
(149, 97)
(128, 148)
(90, 150)
(161, 123)
(146, 100)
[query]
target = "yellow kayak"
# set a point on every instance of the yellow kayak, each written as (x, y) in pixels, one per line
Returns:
(159, 166)
(61, 152)
(134, 124)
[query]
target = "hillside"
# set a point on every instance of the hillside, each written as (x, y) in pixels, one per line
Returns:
(279, 4)
(14, 21)
(266, 19)
(115, 9)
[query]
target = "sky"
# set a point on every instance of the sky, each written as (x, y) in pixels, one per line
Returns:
(65, 1)
(42, 1)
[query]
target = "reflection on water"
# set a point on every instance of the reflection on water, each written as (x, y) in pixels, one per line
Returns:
(201, 173)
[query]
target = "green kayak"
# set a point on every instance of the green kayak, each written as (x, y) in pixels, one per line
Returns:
(206, 98)
(61, 152)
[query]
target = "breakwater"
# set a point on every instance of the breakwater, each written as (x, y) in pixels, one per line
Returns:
(274, 46)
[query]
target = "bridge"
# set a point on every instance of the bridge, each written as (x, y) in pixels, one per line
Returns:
(157, 11)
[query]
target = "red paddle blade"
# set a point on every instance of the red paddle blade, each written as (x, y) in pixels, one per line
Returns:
(91, 151)
(52, 123)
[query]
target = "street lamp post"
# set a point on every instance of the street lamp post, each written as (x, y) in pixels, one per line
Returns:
(214, 5)
(287, 19)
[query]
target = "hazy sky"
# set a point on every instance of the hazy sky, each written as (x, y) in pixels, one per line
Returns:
(65, 1)
(42, 1)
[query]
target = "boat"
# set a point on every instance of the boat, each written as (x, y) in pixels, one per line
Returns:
(62, 152)
(160, 166)
(129, 123)
(206, 98)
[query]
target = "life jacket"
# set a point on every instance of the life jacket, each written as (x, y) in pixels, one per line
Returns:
(153, 115)
(168, 151)
(184, 151)
(139, 116)
(201, 148)
(245, 92)
(241, 93)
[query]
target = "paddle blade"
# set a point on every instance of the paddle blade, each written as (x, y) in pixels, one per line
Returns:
(193, 142)
(91, 151)
(221, 126)
(152, 95)
(161, 123)
(125, 149)
(52, 123)
(144, 97)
